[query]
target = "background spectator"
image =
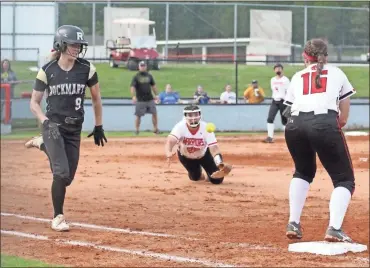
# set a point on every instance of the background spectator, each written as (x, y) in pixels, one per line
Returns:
(169, 96)
(200, 96)
(254, 93)
(228, 96)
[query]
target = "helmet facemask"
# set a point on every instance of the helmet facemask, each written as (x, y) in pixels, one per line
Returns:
(193, 118)
(81, 53)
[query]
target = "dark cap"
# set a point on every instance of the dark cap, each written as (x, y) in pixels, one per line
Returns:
(142, 63)
(254, 82)
(278, 65)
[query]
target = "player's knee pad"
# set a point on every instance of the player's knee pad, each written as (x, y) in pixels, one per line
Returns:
(216, 181)
(194, 176)
(348, 184)
(270, 120)
(308, 178)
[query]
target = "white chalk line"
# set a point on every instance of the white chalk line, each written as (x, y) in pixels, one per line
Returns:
(128, 231)
(142, 253)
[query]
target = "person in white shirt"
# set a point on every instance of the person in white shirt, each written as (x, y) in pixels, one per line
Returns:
(197, 148)
(279, 86)
(228, 96)
(319, 102)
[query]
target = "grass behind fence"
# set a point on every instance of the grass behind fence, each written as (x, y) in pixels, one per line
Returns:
(184, 77)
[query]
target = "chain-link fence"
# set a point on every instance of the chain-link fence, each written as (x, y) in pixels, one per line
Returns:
(17, 78)
(345, 28)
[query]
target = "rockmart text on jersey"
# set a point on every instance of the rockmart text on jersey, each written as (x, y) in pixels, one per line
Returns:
(193, 145)
(303, 96)
(65, 89)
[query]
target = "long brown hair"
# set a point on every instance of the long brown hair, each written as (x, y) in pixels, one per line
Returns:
(54, 55)
(317, 50)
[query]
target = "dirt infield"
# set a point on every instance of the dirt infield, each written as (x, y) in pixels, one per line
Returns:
(164, 219)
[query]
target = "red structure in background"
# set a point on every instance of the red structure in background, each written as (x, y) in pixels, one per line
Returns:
(7, 102)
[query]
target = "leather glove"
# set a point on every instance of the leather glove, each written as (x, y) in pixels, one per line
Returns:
(99, 136)
(223, 170)
(52, 129)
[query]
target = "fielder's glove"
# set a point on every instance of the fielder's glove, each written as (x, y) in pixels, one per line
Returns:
(51, 128)
(223, 168)
(99, 136)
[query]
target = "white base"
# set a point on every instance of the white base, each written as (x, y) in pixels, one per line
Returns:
(326, 248)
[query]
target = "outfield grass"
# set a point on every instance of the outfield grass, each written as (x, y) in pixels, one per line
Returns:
(184, 77)
(12, 261)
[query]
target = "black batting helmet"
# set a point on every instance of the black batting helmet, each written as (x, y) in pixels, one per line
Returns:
(69, 34)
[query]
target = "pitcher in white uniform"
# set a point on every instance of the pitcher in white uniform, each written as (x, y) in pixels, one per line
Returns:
(197, 148)
(279, 86)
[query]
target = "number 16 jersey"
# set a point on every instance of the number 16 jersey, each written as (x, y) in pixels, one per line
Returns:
(65, 90)
(303, 96)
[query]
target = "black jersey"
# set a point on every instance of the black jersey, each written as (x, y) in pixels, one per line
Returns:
(65, 90)
(143, 82)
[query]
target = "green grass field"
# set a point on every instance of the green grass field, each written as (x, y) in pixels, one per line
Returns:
(184, 77)
(12, 261)
(27, 134)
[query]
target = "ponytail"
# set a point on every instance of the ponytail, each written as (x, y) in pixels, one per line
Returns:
(319, 67)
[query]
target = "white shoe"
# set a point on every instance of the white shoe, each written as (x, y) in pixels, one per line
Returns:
(59, 224)
(34, 142)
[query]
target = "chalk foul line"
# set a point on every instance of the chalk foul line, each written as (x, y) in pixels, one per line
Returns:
(142, 253)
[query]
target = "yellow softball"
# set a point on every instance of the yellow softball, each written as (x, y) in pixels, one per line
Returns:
(210, 127)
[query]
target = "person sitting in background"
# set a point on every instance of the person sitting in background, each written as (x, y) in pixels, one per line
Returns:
(254, 93)
(7, 74)
(7, 77)
(228, 96)
(169, 96)
(200, 96)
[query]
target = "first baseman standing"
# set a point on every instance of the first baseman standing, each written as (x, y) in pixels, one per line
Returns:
(64, 80)
(319, 100)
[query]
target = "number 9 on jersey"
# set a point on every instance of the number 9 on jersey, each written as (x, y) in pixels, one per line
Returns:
(78, 103)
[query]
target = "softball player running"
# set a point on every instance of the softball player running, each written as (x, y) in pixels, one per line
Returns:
(197, 148)
(64, 80)
(279, 86)
(319, 100)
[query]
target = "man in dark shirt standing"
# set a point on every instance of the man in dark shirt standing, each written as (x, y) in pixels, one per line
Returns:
(141, 90)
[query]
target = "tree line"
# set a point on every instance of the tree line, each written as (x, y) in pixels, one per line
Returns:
(187, 21)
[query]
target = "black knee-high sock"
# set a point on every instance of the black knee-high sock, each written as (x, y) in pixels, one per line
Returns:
(58, 192)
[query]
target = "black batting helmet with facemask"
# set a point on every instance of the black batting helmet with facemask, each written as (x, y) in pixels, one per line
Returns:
(70, 35)
(193, 115)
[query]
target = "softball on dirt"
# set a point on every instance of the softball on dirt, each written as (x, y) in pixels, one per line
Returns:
(210, 127)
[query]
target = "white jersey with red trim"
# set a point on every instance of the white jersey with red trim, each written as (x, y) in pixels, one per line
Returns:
(193, 144)
(279, 87)
(303, 96)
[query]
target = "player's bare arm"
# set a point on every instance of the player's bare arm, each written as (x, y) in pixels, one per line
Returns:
(35, 106)
(344, 111)
(170, 143)
(133, 93)
(97, 105)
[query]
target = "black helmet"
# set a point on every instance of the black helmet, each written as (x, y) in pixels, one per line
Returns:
(192, 115)
(69, 34)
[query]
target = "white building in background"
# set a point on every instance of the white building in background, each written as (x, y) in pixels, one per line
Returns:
(27, 29)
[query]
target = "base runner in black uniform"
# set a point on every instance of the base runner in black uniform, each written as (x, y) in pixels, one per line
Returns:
(319, 102)
(64, 80)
